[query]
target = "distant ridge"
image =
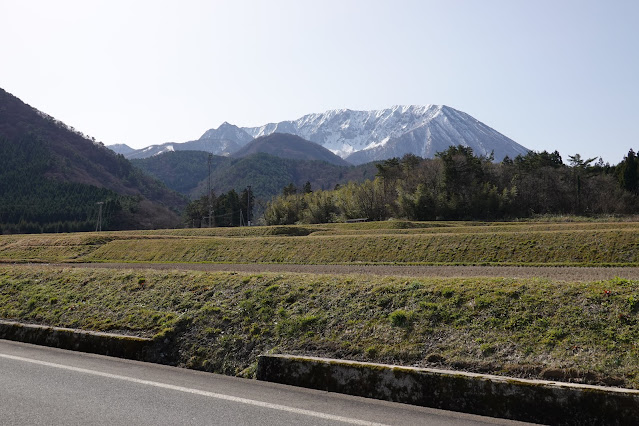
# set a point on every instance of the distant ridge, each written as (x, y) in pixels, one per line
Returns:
(364, 136)
(224, 141)
(120, 148)
(285, 145)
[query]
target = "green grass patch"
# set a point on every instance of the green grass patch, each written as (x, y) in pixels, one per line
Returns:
(393, 242)
(222, 321)
(602, 247)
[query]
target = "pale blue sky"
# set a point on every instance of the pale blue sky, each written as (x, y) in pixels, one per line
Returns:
(558, 74)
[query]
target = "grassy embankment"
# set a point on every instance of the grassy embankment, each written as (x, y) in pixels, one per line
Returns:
(221, 321)
(587, 244)
(586, 332)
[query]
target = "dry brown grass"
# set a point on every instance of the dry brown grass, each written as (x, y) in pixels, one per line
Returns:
(220, 321)
(565, 273)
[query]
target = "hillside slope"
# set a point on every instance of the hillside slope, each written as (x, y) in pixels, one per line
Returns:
(285, 145)
(223, 141)
(268, 174)
(181, 171)
(187, 172)
(54, 174)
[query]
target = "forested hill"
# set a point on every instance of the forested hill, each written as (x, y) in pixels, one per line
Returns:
(52, 177)
(181, 171)
(285, 145)
(187, 172)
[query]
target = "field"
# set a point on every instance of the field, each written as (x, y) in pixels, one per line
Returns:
(373, 291)
(424, 243)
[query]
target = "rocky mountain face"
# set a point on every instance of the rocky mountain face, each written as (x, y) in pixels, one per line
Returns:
(364, 136)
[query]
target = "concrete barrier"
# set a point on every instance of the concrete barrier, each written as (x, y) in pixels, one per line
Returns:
(495, 396)
(120, 346)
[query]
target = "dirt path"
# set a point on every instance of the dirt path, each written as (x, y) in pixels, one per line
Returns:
(556, 273)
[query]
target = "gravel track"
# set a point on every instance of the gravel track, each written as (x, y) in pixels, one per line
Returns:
(563, 273)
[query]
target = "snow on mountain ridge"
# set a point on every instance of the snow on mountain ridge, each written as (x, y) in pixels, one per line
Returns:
(363, 136)
(444, 128)
(227, 131)
(344, 131)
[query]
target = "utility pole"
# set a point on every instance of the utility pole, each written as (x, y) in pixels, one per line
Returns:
(98, 225)
(209, 189)
(248, 206)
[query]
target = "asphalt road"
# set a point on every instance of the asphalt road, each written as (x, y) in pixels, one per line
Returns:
(45, 386)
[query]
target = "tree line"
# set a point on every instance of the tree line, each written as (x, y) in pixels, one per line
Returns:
(30, 202)
(227, 209)
(458, 185)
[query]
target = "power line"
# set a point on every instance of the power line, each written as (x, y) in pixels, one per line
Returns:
(248, 205)
(98, 225)
(209, 190)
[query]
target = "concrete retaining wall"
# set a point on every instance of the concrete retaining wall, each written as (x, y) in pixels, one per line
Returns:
(77, 340)
(527, 400)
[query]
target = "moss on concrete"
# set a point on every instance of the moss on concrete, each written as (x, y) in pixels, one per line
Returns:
(532, 401)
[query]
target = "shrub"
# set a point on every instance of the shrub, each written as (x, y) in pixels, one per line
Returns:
(401, 318)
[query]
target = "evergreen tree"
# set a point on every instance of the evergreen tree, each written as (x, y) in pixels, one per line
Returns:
(629, 172)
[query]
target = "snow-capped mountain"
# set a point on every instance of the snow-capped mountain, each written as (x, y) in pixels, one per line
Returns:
(345, 131)
(363, 136)
(152, 150)
(441, 129)
(228, 132)
(224, 140)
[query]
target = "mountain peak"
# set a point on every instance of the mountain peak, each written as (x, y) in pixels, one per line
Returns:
(229, 132)
(363, 136)
(347, 132)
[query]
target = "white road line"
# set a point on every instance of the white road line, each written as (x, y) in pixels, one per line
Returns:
(198, 392)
